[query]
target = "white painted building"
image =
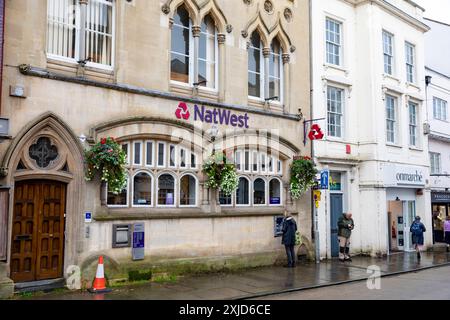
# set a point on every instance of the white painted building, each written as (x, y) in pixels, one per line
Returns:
(368, 80)
(438, 96)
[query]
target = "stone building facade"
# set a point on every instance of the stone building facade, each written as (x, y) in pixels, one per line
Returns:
(171, 81)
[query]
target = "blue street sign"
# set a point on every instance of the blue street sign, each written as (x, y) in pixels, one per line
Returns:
(138, 241)
(324, 179)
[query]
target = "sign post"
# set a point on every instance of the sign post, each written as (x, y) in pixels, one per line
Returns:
(138, 241)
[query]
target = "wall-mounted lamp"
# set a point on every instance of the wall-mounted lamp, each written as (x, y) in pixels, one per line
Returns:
(196, 84)
(427, 80)
(397, 199)
(271, 98)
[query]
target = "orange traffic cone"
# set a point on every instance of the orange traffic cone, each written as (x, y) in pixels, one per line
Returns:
(99, 284)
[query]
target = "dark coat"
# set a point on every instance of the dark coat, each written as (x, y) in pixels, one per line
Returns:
(289, 229)
(418, 238)
(343, 228)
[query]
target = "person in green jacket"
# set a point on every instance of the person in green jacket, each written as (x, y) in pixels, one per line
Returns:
(345, 227)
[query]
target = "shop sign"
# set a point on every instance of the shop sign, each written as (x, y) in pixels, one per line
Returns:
(212, 116)
(275, 200)
(396, 175)
(335, 181)
(315, 133)
(443, 197)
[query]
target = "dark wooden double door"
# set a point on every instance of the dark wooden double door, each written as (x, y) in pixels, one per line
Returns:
(37, 246)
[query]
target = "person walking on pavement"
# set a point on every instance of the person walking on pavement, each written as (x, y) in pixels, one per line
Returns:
(447, 232)
(288, 239)
(417, 229)
(345, 227)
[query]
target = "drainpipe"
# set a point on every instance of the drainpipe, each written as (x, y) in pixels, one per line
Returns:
(314, 213)
(2, 41)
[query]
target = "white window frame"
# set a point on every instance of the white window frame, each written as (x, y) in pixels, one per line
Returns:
(415, 125)
(128, 151)
(77, 29)
(192, 153)
(262, 71)
(128, 196)
(181, 149)
(249, 162)
(169, 156)
(250, 188)
(196, 191)
(238, 160)
(409, 63)
(141, 152)
(341, 114)
(279, 169)
(146, 153)
(274, 164)
(435, 158)
(233, 194)
(266, 195)
(334, 44)
(164, 165)
(391, 53)
(175, 191)
(281, 78)
(394, 121)
(281, 192)
(254, 152)
(132, 190)
(261, 162)
(440, 109)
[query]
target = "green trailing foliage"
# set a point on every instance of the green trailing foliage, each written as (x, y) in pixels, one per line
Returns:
(303, 173)
(221, 174)
(107, 160)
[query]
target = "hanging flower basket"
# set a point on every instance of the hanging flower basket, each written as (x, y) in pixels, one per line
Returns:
(107, 160)
(220, 174)
(303, 175)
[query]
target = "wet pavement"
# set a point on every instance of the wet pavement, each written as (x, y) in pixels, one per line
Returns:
(430, 284)
(263, 281)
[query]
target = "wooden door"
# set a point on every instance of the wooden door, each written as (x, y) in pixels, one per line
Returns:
(38, 230)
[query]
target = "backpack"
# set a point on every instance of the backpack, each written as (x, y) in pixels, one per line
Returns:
(416, 229)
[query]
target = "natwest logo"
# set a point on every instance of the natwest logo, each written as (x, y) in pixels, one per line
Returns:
(216, 116)
(182, 111)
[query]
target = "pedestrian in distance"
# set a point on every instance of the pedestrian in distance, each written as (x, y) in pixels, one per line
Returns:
(345, 227)
(417, 229)
(447, 232)
(288, 239)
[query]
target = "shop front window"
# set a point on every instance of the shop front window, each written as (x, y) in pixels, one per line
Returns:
(275, 192)
(166, 190)
(188, 186)
(142, 189)
(120, 199)
(259, 192)
(242, 193)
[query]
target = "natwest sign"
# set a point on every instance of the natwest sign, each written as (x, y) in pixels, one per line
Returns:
(216, 116)
(401, 175)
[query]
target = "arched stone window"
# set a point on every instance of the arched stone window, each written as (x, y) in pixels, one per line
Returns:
(181, 48)
(188, 190)
(255, 67)
(208, 54)
(275, 71)
(275, 192)
(142, 189)
(259, 192)
(243, 192)
(166, 190)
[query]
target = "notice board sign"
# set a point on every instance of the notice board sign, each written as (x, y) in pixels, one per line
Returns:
(138, 241)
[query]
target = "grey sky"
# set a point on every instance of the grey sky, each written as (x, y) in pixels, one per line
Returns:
(436, 9)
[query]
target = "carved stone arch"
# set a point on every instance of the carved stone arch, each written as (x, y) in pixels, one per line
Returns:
(211, 7)
(278, 31)
(51, 126)
(257, 23)
(68, 145)
(191, 7)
